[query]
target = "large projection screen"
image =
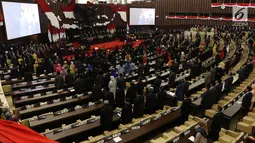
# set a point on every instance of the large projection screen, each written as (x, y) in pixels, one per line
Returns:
(21, 19)
(142, 16)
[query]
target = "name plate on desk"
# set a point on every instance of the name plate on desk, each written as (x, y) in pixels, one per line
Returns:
(42, 75)
(52, 79)
(43, 80)
(37, 95)
(245, 136)
(51, 85)
(70, 88)
(34, 82)
(186, 133)
(145, 122)
(156, 118)
(101, 141)
(49, 92)
(3, 80)
(197, 126)
(50, 74)
(116, 135)
(60, 90)
(15, 79)
(135, 127)
(176, 139)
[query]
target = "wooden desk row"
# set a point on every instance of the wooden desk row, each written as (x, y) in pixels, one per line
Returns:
(139, 127)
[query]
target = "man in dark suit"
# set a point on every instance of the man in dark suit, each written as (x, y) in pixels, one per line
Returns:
(59, 81)
(28, 76)
(171, 79)
(131, 93)
(146, 69)
(97, 92)
(151, 102)
(79, 84)
(121, 84)
(106, 116)
(69, 79)
(138, 108)
(157, 84)
(228, 83)
(120, 97)
(140, 70)
(161, 99)
(109, 96)
(246, 102)
(140, 86)
(179, 91)
(206, 102)
(216, 124)
(126, 114)
(14, 73)
(185, 108)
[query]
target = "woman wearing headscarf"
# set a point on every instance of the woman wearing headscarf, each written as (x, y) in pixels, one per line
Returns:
(182, 58)
(58, 68)
(72, 68)
(112, 85)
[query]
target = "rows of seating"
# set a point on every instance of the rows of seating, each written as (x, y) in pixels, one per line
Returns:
(235, 94)
(179, 132)
(137, 124)
(152, 78)
(191, 87)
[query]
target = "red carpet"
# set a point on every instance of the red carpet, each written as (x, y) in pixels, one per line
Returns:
(112, 44)
(12, 132)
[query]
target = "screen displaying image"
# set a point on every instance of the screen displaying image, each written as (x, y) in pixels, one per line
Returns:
(21, 19)
(142, 16)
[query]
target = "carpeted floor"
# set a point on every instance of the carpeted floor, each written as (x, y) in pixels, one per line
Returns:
(112, 44)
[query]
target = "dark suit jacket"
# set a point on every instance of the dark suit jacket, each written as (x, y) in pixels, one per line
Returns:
(14, 73)
(69, 79)
(146, 70)
(156, 85)
(206, 100)
(121, 83)
(139, 88)
(28, 76)
(59, 82)
(246, 102)
(106, 116)
(171, 79)
(120, 97)
(126, 114)
(228, 84)
(109, 96)
(131, 93)
(217, 121)
(79, 85)
(97, 92)
(151, 102)
(138, 109)
(179, 92)
(161, 99)
(185, 109)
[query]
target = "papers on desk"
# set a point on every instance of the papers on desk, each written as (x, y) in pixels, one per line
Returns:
(171, 93)
(235, 78)
(117, 139)
(192, 138)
